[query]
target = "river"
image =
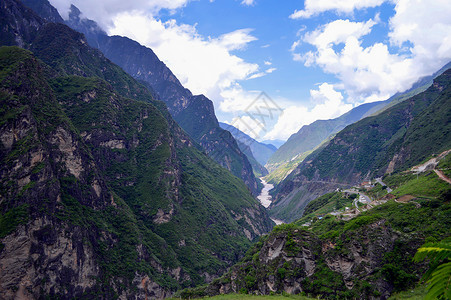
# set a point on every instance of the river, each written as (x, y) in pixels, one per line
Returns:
(266, 199)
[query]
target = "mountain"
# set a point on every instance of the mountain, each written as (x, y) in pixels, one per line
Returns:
(274, 143)
(259, 170)
(194, 113)
(343, 253)
(103, 194)
(259, 152)
(310, 136)
(395, 139)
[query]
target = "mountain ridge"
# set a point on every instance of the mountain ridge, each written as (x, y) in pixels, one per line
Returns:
(195, 113)
(102, 191)
(369, 148)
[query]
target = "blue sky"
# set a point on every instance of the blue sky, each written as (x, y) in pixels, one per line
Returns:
(315, 59)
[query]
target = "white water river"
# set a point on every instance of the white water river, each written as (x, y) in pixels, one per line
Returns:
(266, 199)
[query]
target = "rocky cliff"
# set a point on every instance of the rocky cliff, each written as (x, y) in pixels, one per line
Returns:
(103, 194)
(194, 113)
(366, 257)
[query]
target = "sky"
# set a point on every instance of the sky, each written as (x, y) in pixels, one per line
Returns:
(270, 66)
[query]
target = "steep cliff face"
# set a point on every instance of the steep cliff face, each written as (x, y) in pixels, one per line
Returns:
(45, 166)
(194, 113)
(396, 139)
(89, 177)
(103, 194)
(21, 24)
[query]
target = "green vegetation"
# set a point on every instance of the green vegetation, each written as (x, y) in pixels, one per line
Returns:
(439, 274)
(445, 165)
(207, 190)
(12, 218)
(143, 200)
(398, 228)
(412, 131)
(283, 170)
(417, 293)
(325, 204)
(426, 184)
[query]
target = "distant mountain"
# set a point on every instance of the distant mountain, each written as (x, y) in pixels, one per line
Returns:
(399, 137)
(194, 113)
(274, 143)
(309, 137)
(103, 194)
(260, 151)
(259, 170)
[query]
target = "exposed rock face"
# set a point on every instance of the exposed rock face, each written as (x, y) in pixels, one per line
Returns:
(18, 31)
(103, 194)
(41, 258)
(295, 261)
(194, 113)
(44, 255)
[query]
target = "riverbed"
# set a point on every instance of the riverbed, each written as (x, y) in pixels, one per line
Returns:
(266, 199)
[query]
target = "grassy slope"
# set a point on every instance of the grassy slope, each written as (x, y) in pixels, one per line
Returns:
(414, 224)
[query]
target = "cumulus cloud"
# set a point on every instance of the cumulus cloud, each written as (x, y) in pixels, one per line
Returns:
(203, 65)
(426, 25)
(374, 72)
(315, 7)
(236, 99)
(366, 73)
(328, 104)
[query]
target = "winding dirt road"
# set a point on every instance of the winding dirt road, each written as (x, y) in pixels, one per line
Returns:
(442, 176)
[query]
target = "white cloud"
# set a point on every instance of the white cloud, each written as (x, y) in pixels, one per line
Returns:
(427, 26)
(328, 104)
(236, 40)
(236, 99)
(203, 65)
(267, 63)
(261, 74)
(374, 72)
(104, 11)
(270, 70)
(315, 7)
(337, 32)
(248, 2)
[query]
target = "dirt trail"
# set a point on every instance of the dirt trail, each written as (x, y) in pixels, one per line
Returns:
(442, 176)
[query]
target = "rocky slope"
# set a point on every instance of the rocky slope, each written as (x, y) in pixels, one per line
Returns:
(103, 194)
(395, 139)
(366, 257)
(194, 113)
